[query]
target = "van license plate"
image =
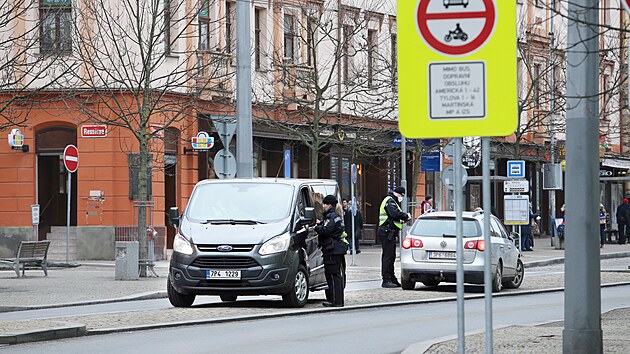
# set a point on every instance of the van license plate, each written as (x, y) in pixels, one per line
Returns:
(441, 255)
(223, 274)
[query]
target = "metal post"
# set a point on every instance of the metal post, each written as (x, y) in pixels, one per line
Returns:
(582, 306)
(68, 217)
(244, 145)
(459, 229)
(403, 183)
(353, 211)
(487, 287)
(552, 105)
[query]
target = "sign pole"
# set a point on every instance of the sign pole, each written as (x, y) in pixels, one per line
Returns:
(68, 217)
(487, 287)
(459, 228)
(353, 170)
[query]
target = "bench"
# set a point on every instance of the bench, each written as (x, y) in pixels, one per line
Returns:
(32, 253)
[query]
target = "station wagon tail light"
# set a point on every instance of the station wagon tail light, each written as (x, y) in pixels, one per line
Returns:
(412, 243)
(475, 245)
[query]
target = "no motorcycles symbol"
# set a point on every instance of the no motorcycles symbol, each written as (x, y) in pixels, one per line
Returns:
(456, 27)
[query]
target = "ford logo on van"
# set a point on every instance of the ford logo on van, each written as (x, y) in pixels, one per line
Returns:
(225, 248)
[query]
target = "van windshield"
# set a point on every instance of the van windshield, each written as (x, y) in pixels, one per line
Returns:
(240, 202)
(441, 227)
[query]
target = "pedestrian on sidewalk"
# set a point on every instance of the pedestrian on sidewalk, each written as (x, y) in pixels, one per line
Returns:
(602, 225)
(623, 218)
(390, 219)
(333, 245)
(526, 232)
(358, 224)
(427, 205)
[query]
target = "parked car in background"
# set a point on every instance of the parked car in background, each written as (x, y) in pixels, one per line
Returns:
(428, 253)
(249, 237)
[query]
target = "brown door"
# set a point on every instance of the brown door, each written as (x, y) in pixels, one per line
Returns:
(52, 179)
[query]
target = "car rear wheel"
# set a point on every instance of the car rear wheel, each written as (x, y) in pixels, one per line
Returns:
(298, 295)
(407, 284)
(430, 282)
(518, 278)
(178, 299)
(228, 298)
(497, 281)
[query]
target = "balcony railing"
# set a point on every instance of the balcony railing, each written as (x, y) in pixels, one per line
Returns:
(214, 74)
(298, 81)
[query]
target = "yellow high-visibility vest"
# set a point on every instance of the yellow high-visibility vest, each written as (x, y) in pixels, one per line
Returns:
(382, 217)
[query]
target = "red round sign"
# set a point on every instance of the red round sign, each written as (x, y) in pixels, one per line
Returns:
(626, 5)
(456, 27)
(71, 158)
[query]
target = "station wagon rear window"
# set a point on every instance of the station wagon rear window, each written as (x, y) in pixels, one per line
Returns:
(444, 227)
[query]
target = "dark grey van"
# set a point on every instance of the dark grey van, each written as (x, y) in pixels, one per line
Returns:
(248, 237)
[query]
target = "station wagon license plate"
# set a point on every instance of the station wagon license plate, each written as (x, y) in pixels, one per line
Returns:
(223, 274)
(441, 255)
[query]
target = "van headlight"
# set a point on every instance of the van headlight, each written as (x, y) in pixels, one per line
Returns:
(275, 245)
(181, 245)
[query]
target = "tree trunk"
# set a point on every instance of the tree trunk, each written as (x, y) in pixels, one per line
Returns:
(142, 202)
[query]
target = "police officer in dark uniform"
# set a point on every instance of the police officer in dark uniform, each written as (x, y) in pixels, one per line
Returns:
(334, 246)
(391, 218)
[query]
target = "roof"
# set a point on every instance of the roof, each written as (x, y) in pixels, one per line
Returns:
(451, 214)
(289, 181)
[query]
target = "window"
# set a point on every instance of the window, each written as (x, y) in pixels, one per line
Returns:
(536, 89)
(289, 37)
(204, 26)
(169, 12)
(371, 57)
(394, 64)
(257, 33)
(56, 25)
(347, 54)
(311, 28)
(229, 27)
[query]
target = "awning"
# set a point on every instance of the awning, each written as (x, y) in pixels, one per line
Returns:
(616, 163)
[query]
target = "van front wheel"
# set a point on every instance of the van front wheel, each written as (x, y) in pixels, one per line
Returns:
(178, 299)
(298, 295)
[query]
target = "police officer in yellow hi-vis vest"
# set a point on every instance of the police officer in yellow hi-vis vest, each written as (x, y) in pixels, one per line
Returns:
(390, 222)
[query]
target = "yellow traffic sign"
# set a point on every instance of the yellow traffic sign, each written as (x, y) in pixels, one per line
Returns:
(457, 68)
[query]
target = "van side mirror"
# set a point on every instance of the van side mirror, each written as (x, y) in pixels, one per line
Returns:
(309, 216)
(173, 216)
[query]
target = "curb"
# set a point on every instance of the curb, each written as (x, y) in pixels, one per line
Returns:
(64, 330)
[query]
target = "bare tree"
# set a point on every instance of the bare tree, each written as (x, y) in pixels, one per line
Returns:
(23, 71)
(333, 79)
(140, 70)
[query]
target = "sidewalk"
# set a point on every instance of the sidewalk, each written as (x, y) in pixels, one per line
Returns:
(93, 282)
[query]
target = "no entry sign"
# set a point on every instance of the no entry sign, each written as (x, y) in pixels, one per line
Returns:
(71, 158)
(457, 68)
(456, 30)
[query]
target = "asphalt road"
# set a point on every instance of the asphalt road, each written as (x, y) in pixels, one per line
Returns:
(380, 330)
(203, 300)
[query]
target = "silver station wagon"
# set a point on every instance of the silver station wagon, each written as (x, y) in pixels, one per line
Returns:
(428, 253)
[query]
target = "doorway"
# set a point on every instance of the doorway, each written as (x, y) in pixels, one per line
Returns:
(52, 179)
(171, 143)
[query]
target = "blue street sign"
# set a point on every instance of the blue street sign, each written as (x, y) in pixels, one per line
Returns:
(353, 170)
(516, 169)
(287, 163)
(398, 141)
(431, 162)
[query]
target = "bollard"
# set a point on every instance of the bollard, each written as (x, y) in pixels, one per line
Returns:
(127, 254)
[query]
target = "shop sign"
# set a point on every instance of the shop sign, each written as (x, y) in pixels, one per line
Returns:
(93, 131)
(16, 139)
(202, 142)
